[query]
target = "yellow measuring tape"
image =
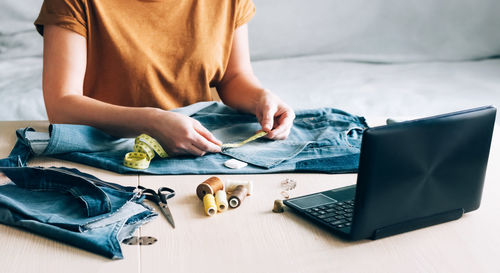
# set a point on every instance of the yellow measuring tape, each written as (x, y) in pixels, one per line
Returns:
(259, 134)
(145, 148)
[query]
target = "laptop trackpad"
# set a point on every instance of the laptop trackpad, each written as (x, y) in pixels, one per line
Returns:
(318, 199)
(325, 198)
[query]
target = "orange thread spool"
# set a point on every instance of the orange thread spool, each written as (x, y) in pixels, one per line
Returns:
(209, 186)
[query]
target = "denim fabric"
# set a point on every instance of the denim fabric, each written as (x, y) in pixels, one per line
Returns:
(72, 207)
(321, 140)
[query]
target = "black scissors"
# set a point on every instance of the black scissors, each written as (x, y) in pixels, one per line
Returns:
(160, 198)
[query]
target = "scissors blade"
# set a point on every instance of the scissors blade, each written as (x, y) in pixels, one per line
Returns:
(166, 212)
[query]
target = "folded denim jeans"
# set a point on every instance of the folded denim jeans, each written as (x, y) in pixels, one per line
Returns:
(72, 207)
(321, 140)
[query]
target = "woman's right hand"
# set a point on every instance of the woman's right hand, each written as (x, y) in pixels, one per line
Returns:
(65, 61)
(181, 135)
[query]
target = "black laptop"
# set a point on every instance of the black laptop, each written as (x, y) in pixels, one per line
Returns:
(411, 174)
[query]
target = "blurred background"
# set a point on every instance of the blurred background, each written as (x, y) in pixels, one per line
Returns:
(384, 58)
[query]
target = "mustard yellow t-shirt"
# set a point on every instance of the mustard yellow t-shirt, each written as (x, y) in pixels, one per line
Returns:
(158, 53)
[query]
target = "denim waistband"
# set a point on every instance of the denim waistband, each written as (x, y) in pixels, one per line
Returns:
(321, 140)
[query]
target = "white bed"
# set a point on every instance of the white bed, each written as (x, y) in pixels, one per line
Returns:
(372, 58)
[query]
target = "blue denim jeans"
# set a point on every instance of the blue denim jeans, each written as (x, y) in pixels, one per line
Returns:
(321, 140)
(72, 207)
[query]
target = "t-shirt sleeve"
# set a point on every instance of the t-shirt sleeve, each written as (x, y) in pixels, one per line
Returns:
(245, 12)
(68, 14)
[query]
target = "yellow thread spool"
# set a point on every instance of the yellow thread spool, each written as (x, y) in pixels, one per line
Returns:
(209, 203)
(221, 200)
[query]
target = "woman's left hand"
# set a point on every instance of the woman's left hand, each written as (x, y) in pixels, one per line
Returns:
(275, 116)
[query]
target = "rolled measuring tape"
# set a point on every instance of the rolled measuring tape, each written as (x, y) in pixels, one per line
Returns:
(145, 148)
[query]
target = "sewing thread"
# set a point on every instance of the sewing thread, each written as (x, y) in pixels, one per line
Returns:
(209, 186)
(232, 184)
(221, 200)
(209, 204)
(238, 196)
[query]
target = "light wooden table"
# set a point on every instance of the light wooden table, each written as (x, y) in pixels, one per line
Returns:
(253, 239)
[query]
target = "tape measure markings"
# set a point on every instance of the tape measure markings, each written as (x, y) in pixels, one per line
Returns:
(259, 134)
(145, 148)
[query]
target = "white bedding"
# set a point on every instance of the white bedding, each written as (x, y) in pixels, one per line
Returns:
(21, 89)
(413, 89)
(382, 30)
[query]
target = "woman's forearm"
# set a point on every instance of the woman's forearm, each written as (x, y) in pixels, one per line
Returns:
(242, 92)
(116, 120)
(177, 133)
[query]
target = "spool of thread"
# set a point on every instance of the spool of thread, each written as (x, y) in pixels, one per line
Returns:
(209, 204)
(209, 186)
(221, 200)
(238, 195)
(232, 184)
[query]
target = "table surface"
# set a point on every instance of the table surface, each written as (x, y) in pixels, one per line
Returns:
(251, 238)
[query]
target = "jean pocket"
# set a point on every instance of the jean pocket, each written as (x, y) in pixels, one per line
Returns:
(266, 154)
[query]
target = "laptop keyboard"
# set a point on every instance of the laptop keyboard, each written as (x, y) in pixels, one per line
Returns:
(337, 215)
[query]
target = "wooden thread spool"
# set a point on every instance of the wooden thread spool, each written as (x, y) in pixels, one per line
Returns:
(209, 186)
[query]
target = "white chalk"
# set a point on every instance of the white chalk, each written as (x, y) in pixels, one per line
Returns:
(235, 164)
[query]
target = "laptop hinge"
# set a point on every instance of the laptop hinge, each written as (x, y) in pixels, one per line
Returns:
(418, 223)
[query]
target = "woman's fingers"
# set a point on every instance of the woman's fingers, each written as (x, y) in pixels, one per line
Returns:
(206, 143)
(283, 125)
(204, 132)
(267, 116)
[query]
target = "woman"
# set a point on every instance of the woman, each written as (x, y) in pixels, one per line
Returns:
(120, 65)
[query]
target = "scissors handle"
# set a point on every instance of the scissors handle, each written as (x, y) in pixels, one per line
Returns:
(165, 193)
(149, 194)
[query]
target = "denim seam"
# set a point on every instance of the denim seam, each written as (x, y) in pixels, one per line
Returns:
(115, 245)
(76, 193)
(241, 156)
(54, 137)
(106, 215)
(106, 202)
